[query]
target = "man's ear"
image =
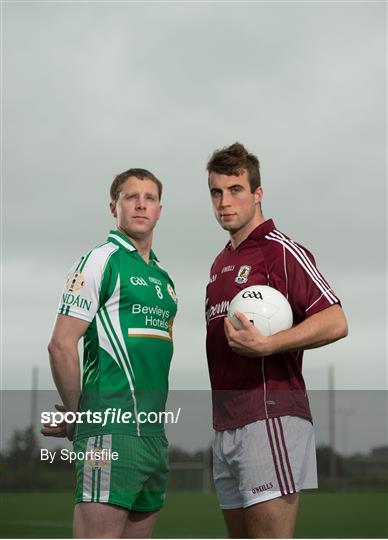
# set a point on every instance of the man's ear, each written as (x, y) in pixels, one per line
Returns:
(112, 206)
(258, 195)
(160, 210)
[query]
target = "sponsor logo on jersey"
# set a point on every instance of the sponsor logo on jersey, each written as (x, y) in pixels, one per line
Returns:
(148, 310)
(212, 278)
(152, 321)
(243, 273)
(76, 301)
(75, 281)
(264, 487)
(217, 310)
(154, 280)
(135, 280)
(229, 268)
(171, 292)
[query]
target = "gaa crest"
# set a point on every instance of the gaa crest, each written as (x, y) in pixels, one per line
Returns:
(242, 274)
(97, 460)
(171, 292)
(75, 281)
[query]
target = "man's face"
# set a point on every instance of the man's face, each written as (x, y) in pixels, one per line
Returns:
(137, 208)
(235, 207)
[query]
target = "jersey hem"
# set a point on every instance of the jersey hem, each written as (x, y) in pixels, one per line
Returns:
(75, 315)
(86, 435)
(321, 307)
(245, 422)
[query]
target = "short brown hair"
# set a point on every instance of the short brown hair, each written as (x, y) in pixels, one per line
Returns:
(233, 160)
(141, 174)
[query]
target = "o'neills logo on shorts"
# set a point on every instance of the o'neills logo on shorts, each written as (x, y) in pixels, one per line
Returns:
(264, 487)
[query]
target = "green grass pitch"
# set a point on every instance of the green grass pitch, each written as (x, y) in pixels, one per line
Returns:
(194, 515)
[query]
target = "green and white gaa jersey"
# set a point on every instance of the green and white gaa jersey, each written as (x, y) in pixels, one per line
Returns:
(128, 345)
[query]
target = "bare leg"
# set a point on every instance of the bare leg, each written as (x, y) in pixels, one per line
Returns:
(235, 523)
(272, 519)
(139, 524)
(99, 520)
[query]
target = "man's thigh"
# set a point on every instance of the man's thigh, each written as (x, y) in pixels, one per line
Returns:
(102, 520)
(275, 518)
(139, 524)
(235, 523)
(99, 520)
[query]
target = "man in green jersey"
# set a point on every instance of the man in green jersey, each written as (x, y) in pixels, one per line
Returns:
(119, 299)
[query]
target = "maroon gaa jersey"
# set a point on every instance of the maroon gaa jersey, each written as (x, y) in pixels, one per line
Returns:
(246, 389)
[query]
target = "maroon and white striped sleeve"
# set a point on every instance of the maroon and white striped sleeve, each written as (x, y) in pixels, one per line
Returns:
(309, 292)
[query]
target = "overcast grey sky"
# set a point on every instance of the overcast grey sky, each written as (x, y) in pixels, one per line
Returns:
(92, 89)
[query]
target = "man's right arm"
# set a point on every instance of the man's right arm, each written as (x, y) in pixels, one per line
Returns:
(64, 358)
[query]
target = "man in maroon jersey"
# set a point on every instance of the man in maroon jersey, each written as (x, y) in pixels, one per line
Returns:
(264, 447)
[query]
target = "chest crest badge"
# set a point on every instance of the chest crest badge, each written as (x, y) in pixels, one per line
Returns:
(242, 274)
(171, 292)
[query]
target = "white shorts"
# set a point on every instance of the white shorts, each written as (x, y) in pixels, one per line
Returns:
(264, 460)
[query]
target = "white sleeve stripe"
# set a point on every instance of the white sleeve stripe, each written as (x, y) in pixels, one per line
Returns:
(313, 304)
(121, 241)
(325, 287)
(318, 284)
(285, 269)
(302, 252)
(96, 264)
(105, 265)
(313, 270)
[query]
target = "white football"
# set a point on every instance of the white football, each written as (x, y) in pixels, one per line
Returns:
(264, 306)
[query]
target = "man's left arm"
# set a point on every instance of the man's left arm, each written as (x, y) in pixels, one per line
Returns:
(322, 328)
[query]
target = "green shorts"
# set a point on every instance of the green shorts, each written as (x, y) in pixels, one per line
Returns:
(124, 470)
